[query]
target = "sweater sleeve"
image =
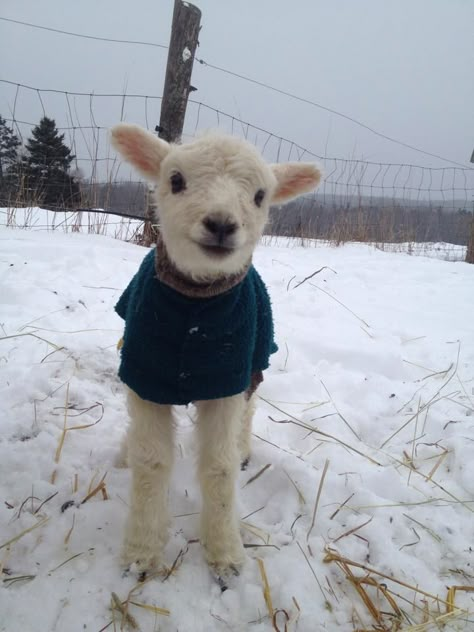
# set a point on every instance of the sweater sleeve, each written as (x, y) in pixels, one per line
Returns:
(127, 296)
(122, 305)
(265, 343)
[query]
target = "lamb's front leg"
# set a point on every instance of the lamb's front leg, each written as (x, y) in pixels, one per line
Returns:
(219, 423)
(150, 456)
(245, 434)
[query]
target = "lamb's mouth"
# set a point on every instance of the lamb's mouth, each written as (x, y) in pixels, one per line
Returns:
(217, 251)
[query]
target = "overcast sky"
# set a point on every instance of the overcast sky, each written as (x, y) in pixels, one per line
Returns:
(403, 67)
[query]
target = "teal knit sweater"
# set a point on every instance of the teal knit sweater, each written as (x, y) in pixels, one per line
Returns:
(178, 349)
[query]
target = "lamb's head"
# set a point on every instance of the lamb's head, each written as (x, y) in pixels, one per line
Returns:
(213, 195)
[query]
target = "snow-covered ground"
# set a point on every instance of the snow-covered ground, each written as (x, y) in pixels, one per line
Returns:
(89, 222)
(374, 380)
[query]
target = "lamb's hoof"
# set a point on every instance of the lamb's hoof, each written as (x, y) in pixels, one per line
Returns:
(140, 576)
(245, 463)
(142, 564)
(143, 570)
(224, 575)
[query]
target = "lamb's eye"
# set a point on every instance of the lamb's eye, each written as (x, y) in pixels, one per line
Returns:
(178, 183)
(258, 199)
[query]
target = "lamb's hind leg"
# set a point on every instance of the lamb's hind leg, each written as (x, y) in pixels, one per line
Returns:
(219, 422)
(150, 456)
(245, 434)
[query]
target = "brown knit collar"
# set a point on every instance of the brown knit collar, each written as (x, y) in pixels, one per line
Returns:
(168, 273)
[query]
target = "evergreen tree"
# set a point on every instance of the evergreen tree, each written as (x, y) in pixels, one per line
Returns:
(9, 161)
(47, 166)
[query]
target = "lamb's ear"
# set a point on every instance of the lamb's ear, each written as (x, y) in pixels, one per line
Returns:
(293, 179)
(140, 148)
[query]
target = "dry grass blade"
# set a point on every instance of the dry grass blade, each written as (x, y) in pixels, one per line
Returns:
(328, 606)
(33, 335)
(44, 502)
(334, 556)
(250, 545)
(332, 516)
(339, 413)
(418, 366)
(452, 595)
(312, 406)
(358, 584)
(276, 615)
(434, 535)
(351, 531)
(318, 496)
(433, 482)
(437, 464)
(24, 532)
(439, 621)
(62, 438)
(48, 355)
(259, 533)
(370, 581)
(257, 475)
(301, 498)
(96, 490)
(155, 609)
(66, 429)
(69, 533)
(301, 424)
(432, 401)
(397, 620)
(340, 303)
(414, 442)
(313, 275)
(404, 546)
(123, 608)
(82, 411)
(57, 331)
(32, 498)
(466, 393)
(177, 562)
(443, 373)
(73, 557)
(277, 447)
(252, 513)
(127, 618)
(9, 581)
(266, 588)
(407, 403)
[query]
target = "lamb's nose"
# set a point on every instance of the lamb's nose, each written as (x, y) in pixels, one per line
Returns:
(219, 227)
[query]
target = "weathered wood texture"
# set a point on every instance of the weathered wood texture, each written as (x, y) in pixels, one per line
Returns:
(470, 244)
(183, 44)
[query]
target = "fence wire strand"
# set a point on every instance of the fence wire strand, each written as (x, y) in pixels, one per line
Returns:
(351, 186)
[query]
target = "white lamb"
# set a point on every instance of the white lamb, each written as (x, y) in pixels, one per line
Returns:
(198, 329)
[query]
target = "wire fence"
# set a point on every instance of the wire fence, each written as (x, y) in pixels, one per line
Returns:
(358, 199)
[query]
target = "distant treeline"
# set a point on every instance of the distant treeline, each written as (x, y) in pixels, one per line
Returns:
(312, 217)
(397, 222)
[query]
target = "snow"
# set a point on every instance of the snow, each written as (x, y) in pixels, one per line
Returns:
(186, 54)
(96, 223)
(367, 343)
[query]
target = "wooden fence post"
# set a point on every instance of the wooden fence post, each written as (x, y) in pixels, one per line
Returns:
(470, 244)
(183, 43)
